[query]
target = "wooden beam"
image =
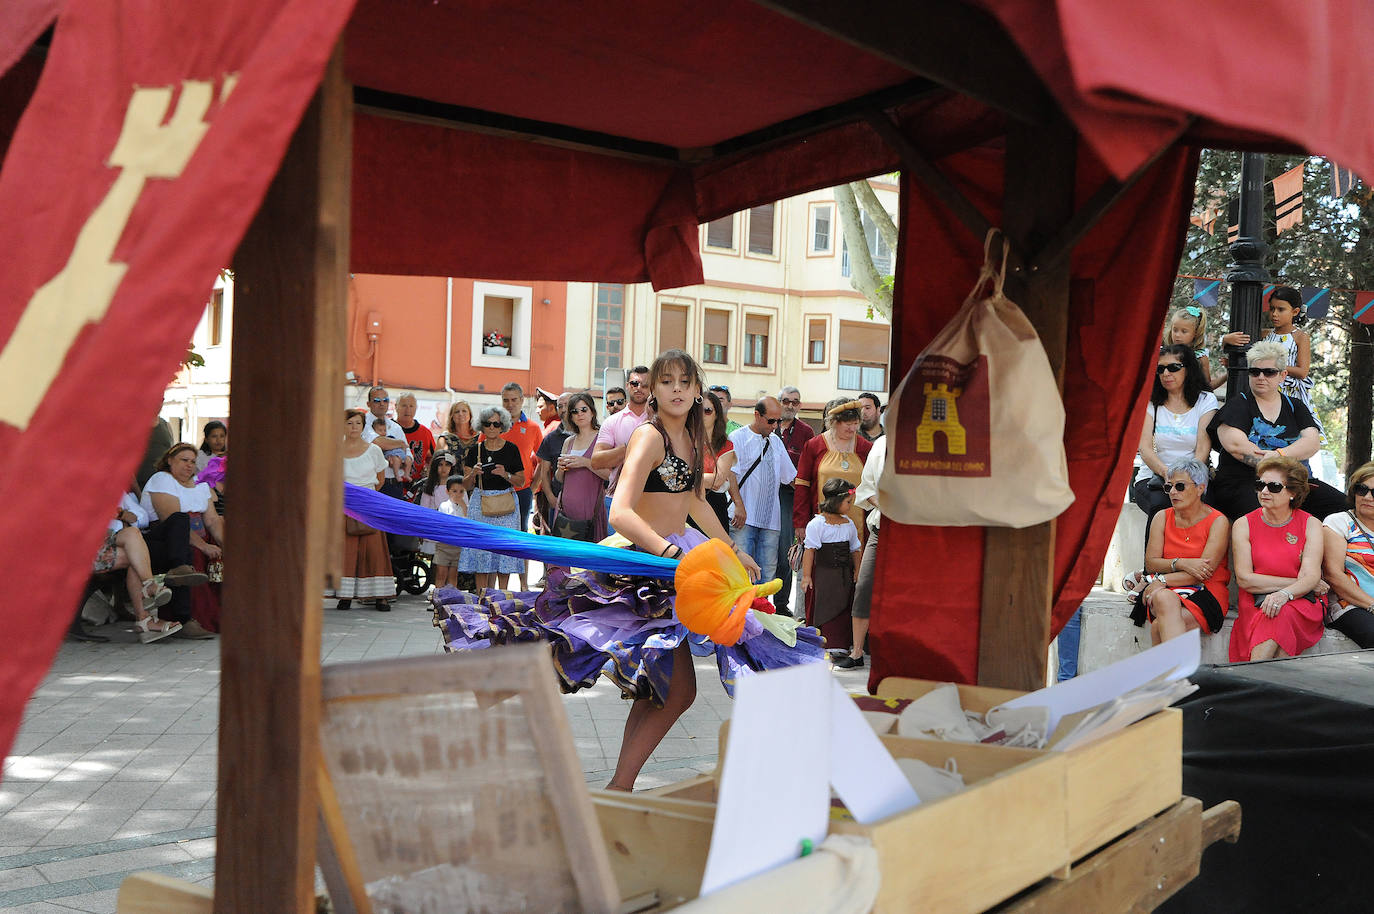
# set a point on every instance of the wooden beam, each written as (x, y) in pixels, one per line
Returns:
(1018, 565)
(955, 44)
(925, 171)
(291, 274)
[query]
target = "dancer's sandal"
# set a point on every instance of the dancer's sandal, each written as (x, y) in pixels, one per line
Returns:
(150, 628)
(154, 595)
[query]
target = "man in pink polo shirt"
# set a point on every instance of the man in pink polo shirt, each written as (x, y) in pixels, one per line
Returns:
(615, 432)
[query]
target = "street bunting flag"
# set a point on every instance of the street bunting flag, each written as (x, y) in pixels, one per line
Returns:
(1288, 199)
(1206, 292)
(1364, 307)
(143, 154)
(1342, 180)
(1316, 302)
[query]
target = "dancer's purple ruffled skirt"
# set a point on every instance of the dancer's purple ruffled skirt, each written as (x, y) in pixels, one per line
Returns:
(622, 626)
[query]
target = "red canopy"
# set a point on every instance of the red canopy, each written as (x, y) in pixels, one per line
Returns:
(587, 141)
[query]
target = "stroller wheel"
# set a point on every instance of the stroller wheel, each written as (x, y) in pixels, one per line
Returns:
(416, 578)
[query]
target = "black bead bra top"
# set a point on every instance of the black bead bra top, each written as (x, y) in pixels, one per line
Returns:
(672, 475)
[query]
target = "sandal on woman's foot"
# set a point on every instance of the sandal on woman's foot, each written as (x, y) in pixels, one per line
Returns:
(344, 604)
(848, 662)
(151, 629)
(160, 596)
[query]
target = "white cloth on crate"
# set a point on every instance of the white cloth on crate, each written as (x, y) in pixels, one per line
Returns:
(362, 470)
(196, 497)
(760, 491)
(818, 533)
(1176, 435)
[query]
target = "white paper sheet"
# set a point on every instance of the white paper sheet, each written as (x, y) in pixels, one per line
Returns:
(775, 783)
(1174, 659)
(864, 774)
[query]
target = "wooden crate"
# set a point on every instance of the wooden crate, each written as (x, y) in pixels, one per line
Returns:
(965, 852)
(1112, 785)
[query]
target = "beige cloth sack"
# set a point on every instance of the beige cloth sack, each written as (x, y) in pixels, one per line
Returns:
(976, 428)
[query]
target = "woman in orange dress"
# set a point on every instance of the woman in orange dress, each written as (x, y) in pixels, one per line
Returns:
(837, 453)
(1184, 584)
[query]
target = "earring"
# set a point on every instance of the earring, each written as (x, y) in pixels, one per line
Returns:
(653, 403)
(697, 401)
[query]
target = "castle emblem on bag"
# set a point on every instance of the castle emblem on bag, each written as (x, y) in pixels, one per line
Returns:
(950, 417)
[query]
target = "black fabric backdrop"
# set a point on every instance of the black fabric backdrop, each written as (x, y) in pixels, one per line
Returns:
(1293, 742)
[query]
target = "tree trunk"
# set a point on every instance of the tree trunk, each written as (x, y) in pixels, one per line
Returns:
(863, 193)
(863, 276)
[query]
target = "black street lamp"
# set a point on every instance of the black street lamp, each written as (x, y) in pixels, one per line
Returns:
(1247, 274)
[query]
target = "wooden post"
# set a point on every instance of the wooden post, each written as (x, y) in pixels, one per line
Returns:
(289, 316)
(1018, 565)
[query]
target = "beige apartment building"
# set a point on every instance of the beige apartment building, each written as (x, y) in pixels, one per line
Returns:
(776, 308)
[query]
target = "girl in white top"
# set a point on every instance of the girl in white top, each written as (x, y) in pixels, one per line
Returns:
(1285, 313)
(830, 564)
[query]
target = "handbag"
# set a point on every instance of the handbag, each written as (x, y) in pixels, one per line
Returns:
(500, 504)
(976, 428)
(355, 527)
(570, 529)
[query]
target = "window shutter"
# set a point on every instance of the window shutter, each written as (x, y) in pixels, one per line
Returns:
(864, 342)
(672, 327)
(720, 233)
(761, 229)
(815, 342)
(717, 328)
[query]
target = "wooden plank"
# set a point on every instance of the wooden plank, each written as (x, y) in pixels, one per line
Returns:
(1137, 873)
(655, 847)
(289, 327)
(982, 62)
(1018, 565)
(1221, 823)
(154, 893)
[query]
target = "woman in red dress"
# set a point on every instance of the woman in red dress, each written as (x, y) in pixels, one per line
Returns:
(1278, 557)
(1184, 585)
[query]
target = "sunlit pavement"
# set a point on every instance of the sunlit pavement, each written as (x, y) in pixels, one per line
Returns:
(113, 771)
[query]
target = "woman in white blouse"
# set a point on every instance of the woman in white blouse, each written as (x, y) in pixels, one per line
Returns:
(186, 537)
(1176, 420)
(367, 573)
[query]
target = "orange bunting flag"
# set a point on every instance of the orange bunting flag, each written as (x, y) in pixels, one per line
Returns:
(714, 592)
(1288, 199)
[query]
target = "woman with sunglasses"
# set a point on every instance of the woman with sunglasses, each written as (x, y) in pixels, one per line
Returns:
(1264, 423)
(1349, 562)
(719, 460)
(492, 471)
(1175, 429)
(1278, 558)
(581, 512)
(1184, 584)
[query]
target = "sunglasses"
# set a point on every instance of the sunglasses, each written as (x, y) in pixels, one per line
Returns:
(791, 402)
(717, 389)
(638, 384)
(615, 402)
(496, 424)
(1267, 372)
(1360, 490)
(771, 421)
(1172, 368)
(580, 409)
(708, 412)
(381, 399)
(1273, 487)
(1175, 486)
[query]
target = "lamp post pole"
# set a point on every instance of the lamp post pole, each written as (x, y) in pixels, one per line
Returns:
(1246, 274)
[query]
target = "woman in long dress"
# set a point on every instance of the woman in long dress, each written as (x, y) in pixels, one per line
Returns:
(367, 573)
(627, 626)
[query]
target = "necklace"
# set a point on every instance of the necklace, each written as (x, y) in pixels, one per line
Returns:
(844, 455)
(1270, 523)
(1186, 529)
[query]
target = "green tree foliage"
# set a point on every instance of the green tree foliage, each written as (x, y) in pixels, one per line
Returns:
(1333, 248)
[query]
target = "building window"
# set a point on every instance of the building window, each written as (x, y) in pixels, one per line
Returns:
(822, 235)
(720, 233)
(214, 317)
(761, 229)
(610, 327)
(715, 336)
(863, 357)
(672, 327)
(506, 310)
(756, 340)
(815, 342)
(882, 254)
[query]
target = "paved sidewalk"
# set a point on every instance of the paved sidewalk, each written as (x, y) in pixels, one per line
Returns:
(114, 769)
